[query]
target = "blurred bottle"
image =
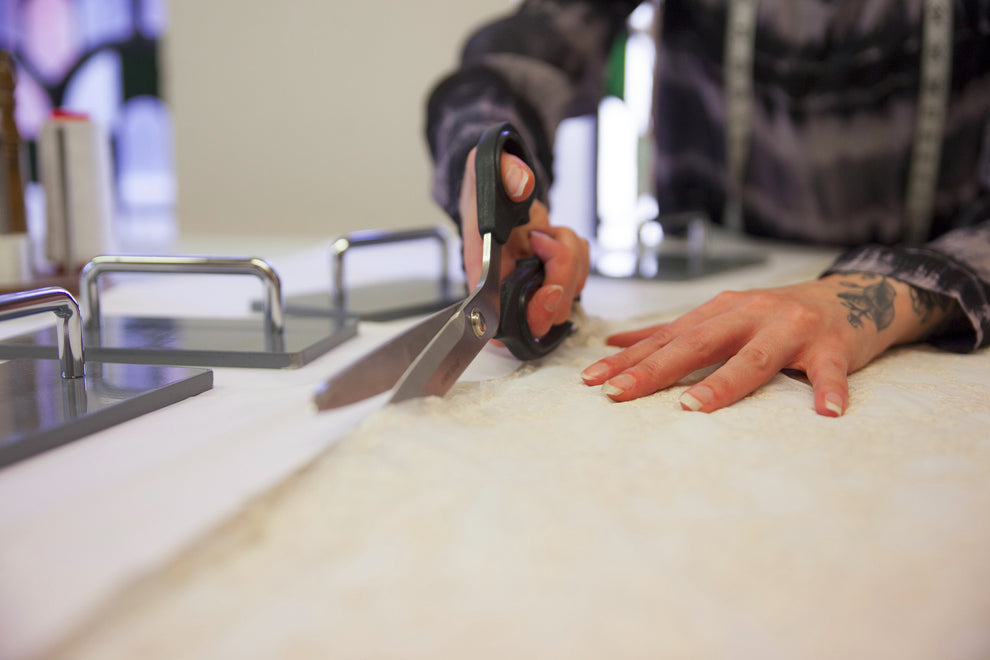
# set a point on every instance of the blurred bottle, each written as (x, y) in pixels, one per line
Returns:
(75, 167)
(14, 242)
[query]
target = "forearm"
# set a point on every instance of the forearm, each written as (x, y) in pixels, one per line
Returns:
(460, 109)
(898, 312)
(955, 267)
(533, 68)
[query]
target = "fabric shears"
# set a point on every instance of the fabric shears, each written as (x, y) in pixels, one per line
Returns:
(428, 358)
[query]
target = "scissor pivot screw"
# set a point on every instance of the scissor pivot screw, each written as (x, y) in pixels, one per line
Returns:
(478, 323)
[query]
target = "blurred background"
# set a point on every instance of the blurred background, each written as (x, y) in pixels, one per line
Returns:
(303, 119)
(246, 116)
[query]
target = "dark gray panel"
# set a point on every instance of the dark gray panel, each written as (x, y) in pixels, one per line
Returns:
(40, 410)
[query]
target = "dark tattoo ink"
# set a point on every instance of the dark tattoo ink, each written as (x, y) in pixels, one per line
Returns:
(872, 301)
(925, 303)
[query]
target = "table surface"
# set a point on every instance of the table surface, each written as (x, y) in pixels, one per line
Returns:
(521, 515)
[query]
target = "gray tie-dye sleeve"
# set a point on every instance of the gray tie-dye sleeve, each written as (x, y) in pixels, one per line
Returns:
(534, 68)
(957, 265)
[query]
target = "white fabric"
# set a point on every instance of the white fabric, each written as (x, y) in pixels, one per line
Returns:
(520, 516)
(530, 517)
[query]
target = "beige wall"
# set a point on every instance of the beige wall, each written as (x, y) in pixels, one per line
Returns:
(306, 117)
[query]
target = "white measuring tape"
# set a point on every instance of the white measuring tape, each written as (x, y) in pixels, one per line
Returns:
(740, 40)
(933, 101)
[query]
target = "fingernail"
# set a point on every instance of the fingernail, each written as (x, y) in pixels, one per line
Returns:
(515, 181)
(594, 373)
(833, 402)
(552, 301)
(696, 398)
(618, 385)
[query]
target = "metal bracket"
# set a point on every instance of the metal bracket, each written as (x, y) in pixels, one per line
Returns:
(366, 238)
(89, 287)
(40, 409)
(382, 301)
(68, 329)
(679, 247)
(193, 342)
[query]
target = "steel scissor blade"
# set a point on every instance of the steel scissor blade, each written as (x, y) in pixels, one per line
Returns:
(445, 358)
(428, 358)
(381, 369)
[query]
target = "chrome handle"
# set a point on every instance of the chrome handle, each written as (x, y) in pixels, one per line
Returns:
(89, 288)
(343, 244)
(695, 226)
(69, 329)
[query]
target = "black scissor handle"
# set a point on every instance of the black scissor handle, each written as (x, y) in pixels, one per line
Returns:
(498, 214)
(513, 328)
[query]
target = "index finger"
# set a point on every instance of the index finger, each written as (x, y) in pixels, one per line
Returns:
(566, 264)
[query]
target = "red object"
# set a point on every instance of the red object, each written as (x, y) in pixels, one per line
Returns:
(59, 113)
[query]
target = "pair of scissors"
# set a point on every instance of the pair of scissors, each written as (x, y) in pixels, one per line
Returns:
(428, 358)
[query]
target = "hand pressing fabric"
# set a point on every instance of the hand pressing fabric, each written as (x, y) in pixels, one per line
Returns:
(564, 254)
(827, 328)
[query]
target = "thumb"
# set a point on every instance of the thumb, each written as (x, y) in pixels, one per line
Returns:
(517, 177)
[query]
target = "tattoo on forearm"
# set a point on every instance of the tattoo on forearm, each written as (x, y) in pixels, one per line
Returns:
(873, 301)
(925, 303)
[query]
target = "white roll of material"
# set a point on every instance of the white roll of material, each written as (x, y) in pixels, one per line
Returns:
(15, 260)
(74, 159)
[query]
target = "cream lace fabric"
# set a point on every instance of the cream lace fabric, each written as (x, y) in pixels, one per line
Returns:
(530, 517)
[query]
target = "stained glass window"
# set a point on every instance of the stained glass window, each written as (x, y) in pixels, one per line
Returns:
(98, 57)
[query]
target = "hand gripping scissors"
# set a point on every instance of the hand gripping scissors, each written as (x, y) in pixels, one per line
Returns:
(428, 358)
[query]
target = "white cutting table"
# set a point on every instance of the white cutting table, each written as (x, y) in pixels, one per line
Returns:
(522, 515)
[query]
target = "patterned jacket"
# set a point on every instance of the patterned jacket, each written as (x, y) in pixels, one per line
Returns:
(835, 101)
